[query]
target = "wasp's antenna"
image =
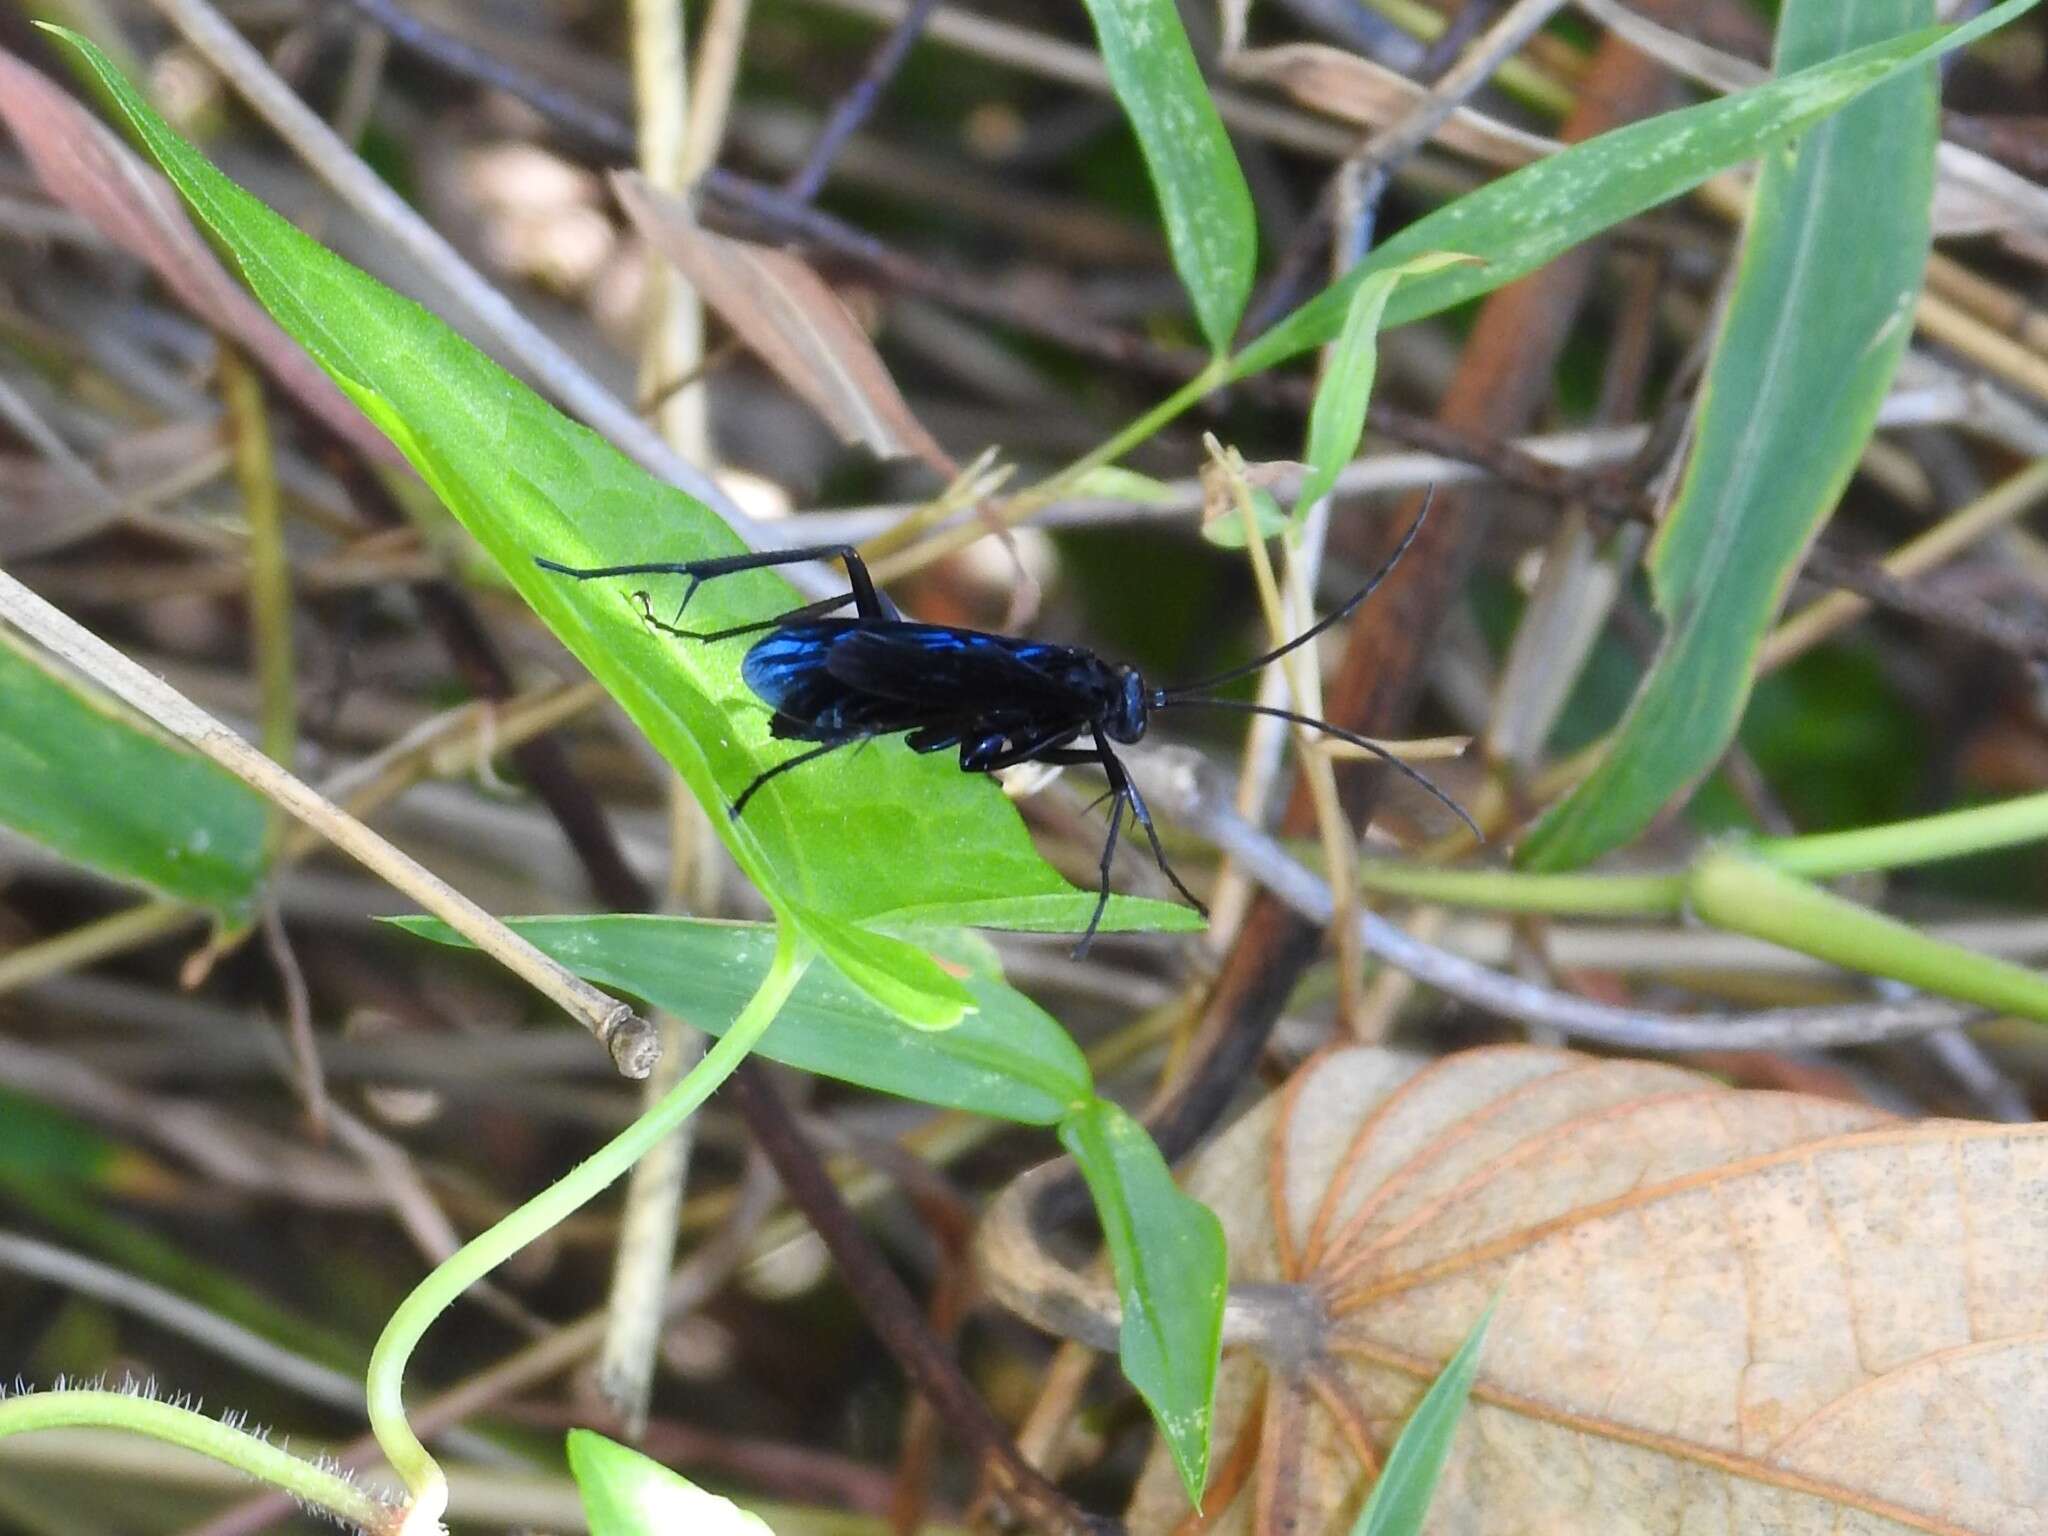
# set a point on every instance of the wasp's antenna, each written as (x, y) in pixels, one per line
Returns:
(1245, 707)
(1337, 615)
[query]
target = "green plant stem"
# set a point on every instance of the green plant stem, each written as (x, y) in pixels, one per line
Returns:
(196, 1432)
(270, 587)
(1138, 430)
(384, 1383)
(1732, 890)
(1820, 856)
(889, 561)
(1507, 890)
(1920, 841)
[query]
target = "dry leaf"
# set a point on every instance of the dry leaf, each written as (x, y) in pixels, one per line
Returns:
(786, 313)
(85, 167)
(1721, 1310)
(1357, 90)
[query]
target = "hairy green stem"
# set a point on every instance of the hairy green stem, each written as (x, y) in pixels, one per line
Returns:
(99, 1409)
(434, 1295)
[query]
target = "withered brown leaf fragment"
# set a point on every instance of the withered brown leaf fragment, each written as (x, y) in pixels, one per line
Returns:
(1720, 1309)
(793, 321)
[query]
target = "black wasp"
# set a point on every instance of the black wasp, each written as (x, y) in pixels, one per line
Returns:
(1002, 701)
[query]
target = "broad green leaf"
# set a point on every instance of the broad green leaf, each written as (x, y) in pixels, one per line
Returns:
(1172, 1276)
(1523, 220)
(93, 784)
(1821, 310)
(1008, 1059)
(1336, 419)
(628, 1494)
(852, 838)
(1203, 199)
(1401, 1493)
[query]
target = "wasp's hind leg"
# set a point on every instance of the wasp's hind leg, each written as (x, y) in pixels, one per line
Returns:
(735, 810)
(1117, 798)
(1122, 793)
(644, 601)
(866, 600)
(1120, 783)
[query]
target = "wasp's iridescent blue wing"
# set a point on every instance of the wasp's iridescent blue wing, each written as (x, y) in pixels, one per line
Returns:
(952, 671)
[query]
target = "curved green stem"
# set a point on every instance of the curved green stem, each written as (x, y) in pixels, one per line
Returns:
(1817, 856)
(483, 1253)
(209, 1437)
(1734, 891)
(1922, 840)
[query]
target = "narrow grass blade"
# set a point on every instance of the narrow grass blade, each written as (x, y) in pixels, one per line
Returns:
(1821, 310)
(1203, 199)
(1400, 1497)
(1336, 420)
(1523, 220)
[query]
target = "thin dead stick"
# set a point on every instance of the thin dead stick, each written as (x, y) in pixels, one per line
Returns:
(630, 1039)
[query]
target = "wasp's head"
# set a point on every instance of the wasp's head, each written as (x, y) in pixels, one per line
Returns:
(1125, 718)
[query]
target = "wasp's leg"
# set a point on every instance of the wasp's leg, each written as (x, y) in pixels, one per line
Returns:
(766, 774)
(645, 602)
(867, 602)
(1120, 783)
(1116, 822)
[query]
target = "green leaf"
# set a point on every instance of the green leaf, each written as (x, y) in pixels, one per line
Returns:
(1401, 1494)
(93, 784)
(1203, 199)
(1821, 310)
(39, 1143)
(1172, 1276)
(1525, 219)
(628, 1494)
(1112, 482)
(1008, 1059)
(850, 839)
(1227, 531)
(1336, 420)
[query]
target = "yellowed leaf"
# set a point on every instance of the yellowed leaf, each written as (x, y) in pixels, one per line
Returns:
(785, 312)
(1357, 90)
(1720, 1310)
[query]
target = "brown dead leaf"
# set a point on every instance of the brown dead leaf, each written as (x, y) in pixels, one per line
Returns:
(85, 167)
(785, 312)
(1357, 90)
(1720, 1310)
